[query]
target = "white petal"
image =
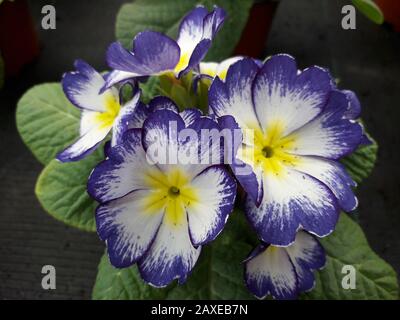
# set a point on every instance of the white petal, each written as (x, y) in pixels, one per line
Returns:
(216, 192)
(171, 256)
(85, 144)
(271, 272)
(129, 225)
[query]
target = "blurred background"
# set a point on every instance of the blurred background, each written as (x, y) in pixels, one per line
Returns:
(367, 61)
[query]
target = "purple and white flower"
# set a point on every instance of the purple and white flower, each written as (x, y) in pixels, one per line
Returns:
(159, 214)
(284, 272)
(101, 113)
(295, 127)
(154, 53)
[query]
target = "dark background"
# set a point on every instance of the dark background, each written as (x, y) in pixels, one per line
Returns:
(367, 60)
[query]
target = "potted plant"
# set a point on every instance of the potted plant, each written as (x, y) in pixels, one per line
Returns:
(100, 148)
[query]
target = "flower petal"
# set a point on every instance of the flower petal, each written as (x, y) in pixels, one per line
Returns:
(234, 96)
(191, 28)
(129, 226)
(116, 76)
(82, 88)
(197, 55)
(89, 121)
(152, 53)
(118, 174)
(138, 117)
(307, 255)
(190, 115)
(202, 146)
(196, 32)
(334, 175)
(213, 22)
(249, 177)
(209, 69)
(126, 118)
(161, 103)
(292, 200)
(85, 145)
(354, 108)
(281, 94)
(330, 135)
(223, 67)
(160, 137)
(171, 256)
(354, 112)
(207, 215)
(190, 35)
(270, 271)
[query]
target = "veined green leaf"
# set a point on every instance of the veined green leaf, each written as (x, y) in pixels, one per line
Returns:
(375, 279)
(47, 121)
(61, 190)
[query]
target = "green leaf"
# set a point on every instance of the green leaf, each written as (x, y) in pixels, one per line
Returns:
(122, 284)
(369, 9)
(217, 275)
(61, 190)
(164, 16)
(361, 162)
(47, 121)
(375, 279)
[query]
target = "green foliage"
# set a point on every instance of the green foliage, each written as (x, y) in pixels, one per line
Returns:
(47, 121)
(61, 190)
(150, 89)
(375, 279)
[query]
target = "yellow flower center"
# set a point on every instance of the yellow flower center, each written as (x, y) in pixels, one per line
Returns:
(174, 192)
(113, 107)
(270, 150)
(170, 192)
(267, 152)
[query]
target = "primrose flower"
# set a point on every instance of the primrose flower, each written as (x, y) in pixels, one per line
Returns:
(158, 214)
(101, 113)
(297, 130)
(284, 272)
(154, 53)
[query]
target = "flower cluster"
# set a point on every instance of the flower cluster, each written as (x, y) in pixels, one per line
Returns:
(170, 176)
